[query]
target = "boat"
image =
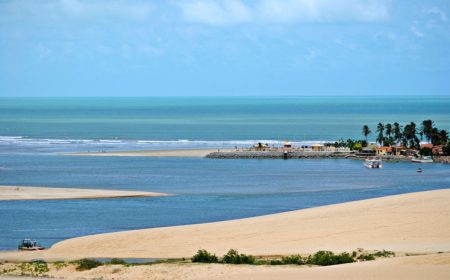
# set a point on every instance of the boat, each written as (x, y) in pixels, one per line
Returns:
(373, 163)
(29, 245)
(419, 170)
(425, 159)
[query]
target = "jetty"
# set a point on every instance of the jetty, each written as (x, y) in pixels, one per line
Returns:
(279, 154)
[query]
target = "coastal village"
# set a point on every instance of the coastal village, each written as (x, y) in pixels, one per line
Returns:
(392, 143)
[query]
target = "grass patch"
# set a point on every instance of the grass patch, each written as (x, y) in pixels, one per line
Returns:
(36, 268)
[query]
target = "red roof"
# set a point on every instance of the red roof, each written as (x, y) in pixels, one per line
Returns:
(426, 146)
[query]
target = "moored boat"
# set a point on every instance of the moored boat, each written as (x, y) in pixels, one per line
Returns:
(425, 159)
(29, 245)
(373, 163)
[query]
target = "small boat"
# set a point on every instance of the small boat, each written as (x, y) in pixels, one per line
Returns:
(425, 159)
(373, 163)
(29, 245)
(419, 170)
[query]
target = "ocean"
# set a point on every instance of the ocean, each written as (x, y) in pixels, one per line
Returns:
(34, 133)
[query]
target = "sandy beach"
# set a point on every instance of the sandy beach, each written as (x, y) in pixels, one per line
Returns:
(36, 193)
(196, 153)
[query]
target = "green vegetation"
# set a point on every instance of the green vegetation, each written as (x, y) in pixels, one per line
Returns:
(410, 136)
(377, 254)
(204, 256)
(59, 265)
(234, 257)
(117, 261)
(293, 259)
(87, 264)
(425, 151)
(36, 268)
(354, 145)
(325, 258)
(321, 258)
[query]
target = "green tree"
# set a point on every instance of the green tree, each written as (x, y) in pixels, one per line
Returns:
(409, 136)
(366, 131)
(427, 129)
(380, 130)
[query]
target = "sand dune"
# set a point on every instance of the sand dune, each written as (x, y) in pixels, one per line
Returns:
(36, 193)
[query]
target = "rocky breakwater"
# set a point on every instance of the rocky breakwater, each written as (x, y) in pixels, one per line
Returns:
(442, 159)
(278, 154)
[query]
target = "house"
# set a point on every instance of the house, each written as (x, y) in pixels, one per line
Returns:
(383, 151)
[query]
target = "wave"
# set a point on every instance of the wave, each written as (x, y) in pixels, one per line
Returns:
(22, 144)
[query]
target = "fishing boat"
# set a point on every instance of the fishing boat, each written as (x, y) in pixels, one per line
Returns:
(373, 163)
(425, 159)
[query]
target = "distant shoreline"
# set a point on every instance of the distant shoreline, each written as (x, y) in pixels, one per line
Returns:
(40, 193)
(245, 154)
(194, 153)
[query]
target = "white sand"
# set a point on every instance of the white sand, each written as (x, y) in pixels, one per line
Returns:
(155, 153)
(36, 193)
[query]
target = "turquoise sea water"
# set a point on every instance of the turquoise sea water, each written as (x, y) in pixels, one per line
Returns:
(33, 132)
(212, 119)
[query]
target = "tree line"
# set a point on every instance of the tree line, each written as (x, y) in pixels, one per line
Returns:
(408, 136)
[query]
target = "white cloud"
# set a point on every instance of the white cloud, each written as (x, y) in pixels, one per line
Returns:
(226, 12)
(415, 30)
(216, 12)
(76, 9)
(123, 9)
(437, 11)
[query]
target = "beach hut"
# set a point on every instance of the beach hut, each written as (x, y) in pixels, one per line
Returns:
(317, 147)
(287, 146)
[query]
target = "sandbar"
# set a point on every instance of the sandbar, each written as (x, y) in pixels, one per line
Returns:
(188, 153)
(38, 193)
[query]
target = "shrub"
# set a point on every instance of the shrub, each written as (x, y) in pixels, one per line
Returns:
(204, 256)
(365, 257)
(59, 265)
(293, 259)
(384, 253)
(34, 268)
(117, 261)
(86, 264)
(329, 258)
(234, 257)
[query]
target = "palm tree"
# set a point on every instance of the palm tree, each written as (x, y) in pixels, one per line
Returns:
(427, 129)
(388, 132)
(366, 131)
(397, 131)
(409, 134)
(380, 130)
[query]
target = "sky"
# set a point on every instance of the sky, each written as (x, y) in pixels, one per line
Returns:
(224, 48)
